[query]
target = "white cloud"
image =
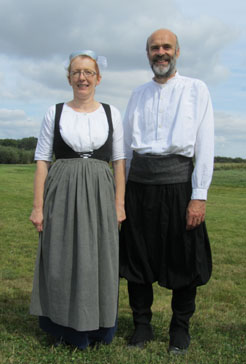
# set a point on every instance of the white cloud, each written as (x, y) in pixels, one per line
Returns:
(116, 86)
(36, 37)
(15, 124)
(42, 30)
(42, 33)
(230, 134)
(7, 115)
(230, 124)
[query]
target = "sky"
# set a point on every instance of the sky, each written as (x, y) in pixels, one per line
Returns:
(36, 38)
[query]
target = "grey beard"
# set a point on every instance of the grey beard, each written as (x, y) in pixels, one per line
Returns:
(164, 72)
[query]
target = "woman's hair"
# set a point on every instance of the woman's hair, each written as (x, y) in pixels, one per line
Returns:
(84, 56)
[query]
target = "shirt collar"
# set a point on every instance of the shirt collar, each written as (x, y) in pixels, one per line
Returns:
(174, 78)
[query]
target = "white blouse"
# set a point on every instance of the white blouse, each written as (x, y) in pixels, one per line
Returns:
(173, 118)
(83, 132)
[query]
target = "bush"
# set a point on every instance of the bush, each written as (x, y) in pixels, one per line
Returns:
(12, 155)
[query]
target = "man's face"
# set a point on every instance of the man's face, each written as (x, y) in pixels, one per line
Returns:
(162, 54)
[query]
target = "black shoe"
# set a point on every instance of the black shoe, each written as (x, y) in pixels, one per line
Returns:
(175, 350)
(179, 341)
(59, 342)
(141, 335)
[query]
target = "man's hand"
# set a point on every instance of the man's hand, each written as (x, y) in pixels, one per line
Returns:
(195, 213)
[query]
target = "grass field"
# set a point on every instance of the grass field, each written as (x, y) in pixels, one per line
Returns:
(218, 328)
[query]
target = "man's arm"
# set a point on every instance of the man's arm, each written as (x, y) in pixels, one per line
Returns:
(204, 158)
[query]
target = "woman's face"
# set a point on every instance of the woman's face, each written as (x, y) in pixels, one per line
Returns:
(83, 77)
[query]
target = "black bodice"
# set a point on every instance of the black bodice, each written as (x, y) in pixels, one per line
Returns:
(64, 151)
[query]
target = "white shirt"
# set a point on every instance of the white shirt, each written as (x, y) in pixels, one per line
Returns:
(173, 118)
(83, 132)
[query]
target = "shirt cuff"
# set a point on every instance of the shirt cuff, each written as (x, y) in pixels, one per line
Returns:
(199, 194)
(45, 158)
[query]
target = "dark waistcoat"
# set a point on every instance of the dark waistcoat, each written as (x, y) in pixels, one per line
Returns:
(64, 151)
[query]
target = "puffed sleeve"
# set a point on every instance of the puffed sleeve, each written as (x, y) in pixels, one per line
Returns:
(44, 149)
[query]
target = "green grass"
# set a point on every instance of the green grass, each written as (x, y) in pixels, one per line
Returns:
(218, 328)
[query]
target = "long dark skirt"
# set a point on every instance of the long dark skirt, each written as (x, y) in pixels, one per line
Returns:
(154, 242)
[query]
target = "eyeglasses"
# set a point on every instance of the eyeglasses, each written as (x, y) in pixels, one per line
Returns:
(85, 73)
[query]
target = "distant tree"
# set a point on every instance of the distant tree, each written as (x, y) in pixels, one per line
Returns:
(27, 143)
(9, 142)
(218, 159)
(239, 160)
(24, 143)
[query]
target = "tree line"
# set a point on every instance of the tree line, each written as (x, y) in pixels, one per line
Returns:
(17, 151)
(229, 160)
(21, 151)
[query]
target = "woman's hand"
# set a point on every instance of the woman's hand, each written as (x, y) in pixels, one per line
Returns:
(37, 212)
(120, 212)
(36, 218)
(119, 177)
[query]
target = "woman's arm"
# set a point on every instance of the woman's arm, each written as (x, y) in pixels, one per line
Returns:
(119, 176)
(40, 176)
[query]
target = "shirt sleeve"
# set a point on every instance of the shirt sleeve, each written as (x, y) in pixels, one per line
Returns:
(44, 149)
(128, 132)
(118, 151)
(204, 147)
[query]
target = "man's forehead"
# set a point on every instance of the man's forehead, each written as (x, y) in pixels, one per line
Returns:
(161, 38)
